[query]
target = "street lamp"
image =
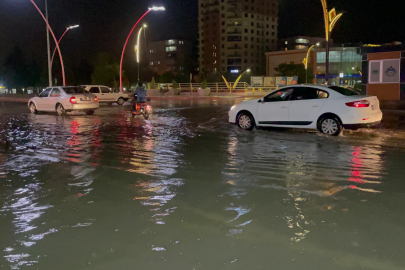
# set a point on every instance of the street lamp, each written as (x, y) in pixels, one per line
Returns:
(331, 19)
(137, 48)
(306, 60)
(130, 33)
(240, 77)
(56, 42)
(223, 77)
(67, 29)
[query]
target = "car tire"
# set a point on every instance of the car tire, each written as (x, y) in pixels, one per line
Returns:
(60, 110)
(245, 121)
(120, 101)
(89, 112)
(330, 125)
(33, 108)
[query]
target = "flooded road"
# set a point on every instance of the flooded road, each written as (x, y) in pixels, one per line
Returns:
(187, 190)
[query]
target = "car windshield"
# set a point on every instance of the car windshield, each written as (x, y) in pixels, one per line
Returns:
(344, 91)
(74, 90)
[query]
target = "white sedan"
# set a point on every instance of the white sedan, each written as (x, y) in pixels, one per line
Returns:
(105, 95)
(62, 99)
(328, 109)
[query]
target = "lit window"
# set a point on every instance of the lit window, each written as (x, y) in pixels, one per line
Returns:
(151, 63)
(170, 42)
(302, 40)
(158, 62)
(171, 49)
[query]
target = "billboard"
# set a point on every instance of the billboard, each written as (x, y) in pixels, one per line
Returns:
(269, 81)
(256, 81)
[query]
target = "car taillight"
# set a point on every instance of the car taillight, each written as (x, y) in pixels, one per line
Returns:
(359, 104)
(95, 99)
(73, 100)
(148, 107)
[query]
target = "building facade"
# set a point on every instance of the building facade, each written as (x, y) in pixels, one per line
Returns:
(301, 43)
(344, 64)
(172, 55)
(384, 73)
(235, 34)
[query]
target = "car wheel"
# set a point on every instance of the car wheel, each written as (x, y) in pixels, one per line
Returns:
(120, 101)
(331, 126)
(89, 112)
(33, 108)
(60, 110)
(246, 121)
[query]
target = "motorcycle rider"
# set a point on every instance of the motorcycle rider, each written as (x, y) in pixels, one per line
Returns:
(139, 97)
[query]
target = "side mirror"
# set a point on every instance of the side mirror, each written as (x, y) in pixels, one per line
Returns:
(260, 100)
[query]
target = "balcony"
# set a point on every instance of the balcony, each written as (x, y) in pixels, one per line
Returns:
(235, 33)
(235, 55)
(235, 16)
(235, 48)
(235, 24)
(234, 38)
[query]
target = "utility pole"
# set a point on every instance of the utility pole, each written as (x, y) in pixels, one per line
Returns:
(48, 45)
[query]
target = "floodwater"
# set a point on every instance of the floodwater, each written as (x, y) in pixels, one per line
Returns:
(186, 190)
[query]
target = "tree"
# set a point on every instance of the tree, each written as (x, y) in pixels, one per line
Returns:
(106, 72)
(292, 69)
(166, 77)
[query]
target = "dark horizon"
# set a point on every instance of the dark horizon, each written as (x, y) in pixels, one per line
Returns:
(104, 25)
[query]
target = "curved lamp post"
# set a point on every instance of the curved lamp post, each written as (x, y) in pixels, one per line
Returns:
(130, 33)
(240, 77)
(67, 29)
(223, 77)
(331, 19)
(306, 60)
(137, 48)
(56, 42)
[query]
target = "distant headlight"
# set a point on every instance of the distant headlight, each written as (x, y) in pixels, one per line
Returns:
(234, 107)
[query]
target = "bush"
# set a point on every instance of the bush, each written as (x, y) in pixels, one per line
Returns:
(174, 84)
(204, 85)
(153, 83)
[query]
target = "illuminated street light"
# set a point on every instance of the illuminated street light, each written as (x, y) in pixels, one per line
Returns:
(56, 42)
(137, 48)
(331, 19)
(306, 60)
(240, 77)
(67, 29)
(130, 33)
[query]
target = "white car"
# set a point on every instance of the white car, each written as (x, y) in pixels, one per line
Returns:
(328, 109)
(62, 99)
(105, 95)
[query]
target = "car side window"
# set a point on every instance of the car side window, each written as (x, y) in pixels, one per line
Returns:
(105, 90)
(94, 90)
(45, 93)
(307, 93)
(55, 92)
(282, 95)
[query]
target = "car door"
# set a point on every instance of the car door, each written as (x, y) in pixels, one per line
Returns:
(273, 109)
(106, 94)
(306, 102)
(96, 91)
(53, 98)
(40, 102)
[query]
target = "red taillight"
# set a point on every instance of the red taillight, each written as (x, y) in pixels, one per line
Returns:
(73, 100)
(95, 99)
(148, 107)
(359, 104)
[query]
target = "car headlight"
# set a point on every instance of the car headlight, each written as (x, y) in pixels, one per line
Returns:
(234, 107)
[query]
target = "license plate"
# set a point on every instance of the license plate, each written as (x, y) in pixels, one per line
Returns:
(85, 99)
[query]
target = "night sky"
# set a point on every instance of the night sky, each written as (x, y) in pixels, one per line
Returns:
(105, 24)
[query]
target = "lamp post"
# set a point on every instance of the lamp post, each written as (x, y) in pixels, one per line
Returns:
(130, 33)
(306, 60)
(223, 77)
(137, 48)
(240, 77)
(67, 29)
(48, 46)
(331, 19)
(56, 42)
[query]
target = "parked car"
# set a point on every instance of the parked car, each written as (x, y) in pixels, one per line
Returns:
(62, 99)
(105, 95)
(328, 109)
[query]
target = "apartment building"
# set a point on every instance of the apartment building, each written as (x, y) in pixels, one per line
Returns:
(236, 34)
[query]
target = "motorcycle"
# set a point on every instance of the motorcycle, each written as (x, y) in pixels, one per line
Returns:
(144, 109)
